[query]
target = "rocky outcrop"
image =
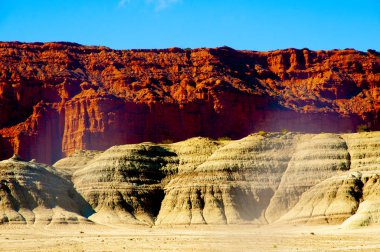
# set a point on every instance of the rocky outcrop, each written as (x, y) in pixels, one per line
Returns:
(330, 202)
(352, 200)
(58, 98)
(33, 193)
(286, 177)
(282, 177)
(262, 178)
(234, 185)
(364, 149)
(67, 166)
(317, 157)
(368, 211)
(123, 184)
(195, 151)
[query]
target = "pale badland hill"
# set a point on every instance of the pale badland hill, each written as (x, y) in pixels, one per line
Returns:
(264, 178)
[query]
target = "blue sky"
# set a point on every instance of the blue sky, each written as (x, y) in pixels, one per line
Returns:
(242, 24)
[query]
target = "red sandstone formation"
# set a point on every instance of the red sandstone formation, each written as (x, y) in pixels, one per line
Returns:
(56, 98)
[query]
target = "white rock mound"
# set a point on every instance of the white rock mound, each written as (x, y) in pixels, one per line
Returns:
(369, 209)
(195, 151)
(317, 157)
(123, 184)
(72, 163)
(234, 185)
(329, 202)
(32, 193)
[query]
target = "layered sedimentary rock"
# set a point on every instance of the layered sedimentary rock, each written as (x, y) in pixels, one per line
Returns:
(32, 193)
(330, 202)
(368, 211)
(263, 178)
(364, 149)
(317, 157)
(352, 199)
(234, 185)
(123, 184)
(58, 98)
(292, 178)
(74, 162)
(195, 151)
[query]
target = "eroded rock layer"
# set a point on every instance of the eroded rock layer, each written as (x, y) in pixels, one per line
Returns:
(195, 151)
(58, 98)
(330, 202)
(364, 149)
(317, 157)
(74, 162)
(123, 184)
(264, 178)
(32, 193)
(368, 211)
(234, 185)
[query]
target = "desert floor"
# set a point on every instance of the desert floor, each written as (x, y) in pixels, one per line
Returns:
(193, 238)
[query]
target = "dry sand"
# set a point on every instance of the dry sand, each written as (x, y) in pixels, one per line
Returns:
(187, 238)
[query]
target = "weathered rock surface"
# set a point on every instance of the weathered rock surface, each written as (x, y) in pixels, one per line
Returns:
(317, 157)
(352, 199)
(123, 184)
(364, 149)
(263, 178)
(195, 151)
(369, 209)
(33, 193)
(330, 202)
(58, 98)
(234, 185)
(75, 162)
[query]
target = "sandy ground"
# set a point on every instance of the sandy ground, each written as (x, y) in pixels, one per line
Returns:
(194, 238)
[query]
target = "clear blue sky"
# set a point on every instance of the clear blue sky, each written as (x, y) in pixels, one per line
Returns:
(243, 24)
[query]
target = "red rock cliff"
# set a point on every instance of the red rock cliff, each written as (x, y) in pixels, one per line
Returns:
(56, 98)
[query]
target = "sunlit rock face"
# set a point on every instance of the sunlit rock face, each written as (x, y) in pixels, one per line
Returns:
(280, 178)
(352, 199)
(284, 178)
(33, 193)
(58, 98)
(123, 184)
(368, 210)
(350, 196)
(316, 158)
(68, 165)
(234, 185)
(364, 149)
(195, 151)
(331, 201)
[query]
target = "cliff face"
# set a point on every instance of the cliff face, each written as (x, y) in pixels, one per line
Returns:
(56, 98)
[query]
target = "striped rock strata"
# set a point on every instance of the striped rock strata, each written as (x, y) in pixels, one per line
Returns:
(32, 193)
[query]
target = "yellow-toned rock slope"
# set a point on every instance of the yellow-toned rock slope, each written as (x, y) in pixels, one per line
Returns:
(263, 178)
